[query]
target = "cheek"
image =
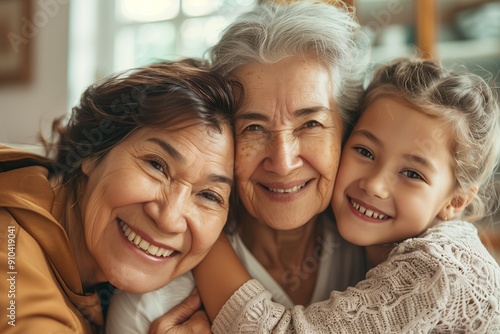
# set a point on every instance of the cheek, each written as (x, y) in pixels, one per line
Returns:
(99, 225)
(104, 199)
(246, 159)
(339, 192)
(323, 153)
(346, 171)
(108, 195)
(98, 212)
(205, 235)
(411, 203)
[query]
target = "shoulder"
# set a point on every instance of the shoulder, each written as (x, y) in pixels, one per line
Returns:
(34, 295)
(13, 158)
(24, 180)
(451, 229)
(448, 237)
(471, 273)
(454, 246)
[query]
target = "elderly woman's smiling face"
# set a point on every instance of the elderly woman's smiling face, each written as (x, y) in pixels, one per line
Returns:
(155, 204)
(288, 141)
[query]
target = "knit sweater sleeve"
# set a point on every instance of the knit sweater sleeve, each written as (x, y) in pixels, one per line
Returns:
(389, 300)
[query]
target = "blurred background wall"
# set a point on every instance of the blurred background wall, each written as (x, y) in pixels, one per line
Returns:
(59, 47)
(35, 98)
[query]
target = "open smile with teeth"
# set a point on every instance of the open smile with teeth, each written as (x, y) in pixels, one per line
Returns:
(369, 213)
(143, 244)
(288, 190)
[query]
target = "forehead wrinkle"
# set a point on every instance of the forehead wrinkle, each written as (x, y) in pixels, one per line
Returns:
(299, 113)
(251, 116)
(308, 111)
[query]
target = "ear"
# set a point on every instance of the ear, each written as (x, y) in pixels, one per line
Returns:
(457, 204)
(88, 165)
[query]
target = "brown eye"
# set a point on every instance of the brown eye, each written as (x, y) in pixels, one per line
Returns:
(412, 174)
(211, 196)
(157, 163)
(364, 152)
(253, 127)
(311, 124)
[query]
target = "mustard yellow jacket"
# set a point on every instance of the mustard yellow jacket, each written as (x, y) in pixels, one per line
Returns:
(41, 290)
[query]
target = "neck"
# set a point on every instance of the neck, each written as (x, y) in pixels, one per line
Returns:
(290, 257)
(377, 254)
(274, 248)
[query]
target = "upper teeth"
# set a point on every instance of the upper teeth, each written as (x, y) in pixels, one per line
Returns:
(367, 212)
(289, 190)
(143, 244)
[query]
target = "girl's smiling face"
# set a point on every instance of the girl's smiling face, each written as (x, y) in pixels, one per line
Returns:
(155, 203)
(395, 176)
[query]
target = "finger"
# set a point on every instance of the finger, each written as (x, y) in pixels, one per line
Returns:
(184, 310)
(199, 323)
(177, 315)
(200, 315)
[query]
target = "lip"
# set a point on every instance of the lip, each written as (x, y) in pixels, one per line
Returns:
(285, 192)
(141, 252)
(368, 207)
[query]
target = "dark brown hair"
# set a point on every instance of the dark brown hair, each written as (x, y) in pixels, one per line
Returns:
(161, 95)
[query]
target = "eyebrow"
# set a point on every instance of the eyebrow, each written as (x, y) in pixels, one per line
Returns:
(176, 155)
(420, 161)
(369, 135)
(410, 157)
(302, 112)
(169, 149)
(221, 179)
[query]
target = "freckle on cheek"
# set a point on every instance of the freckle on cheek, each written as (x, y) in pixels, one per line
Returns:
(246, 148)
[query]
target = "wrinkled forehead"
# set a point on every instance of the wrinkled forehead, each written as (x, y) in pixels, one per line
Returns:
(290, 84)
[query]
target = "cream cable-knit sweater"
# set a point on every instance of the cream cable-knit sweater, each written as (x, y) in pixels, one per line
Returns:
(444, 281)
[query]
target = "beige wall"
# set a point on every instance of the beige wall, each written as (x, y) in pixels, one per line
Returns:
(27, 107)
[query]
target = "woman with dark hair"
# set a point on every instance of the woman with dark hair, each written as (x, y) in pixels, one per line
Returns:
(136, 195)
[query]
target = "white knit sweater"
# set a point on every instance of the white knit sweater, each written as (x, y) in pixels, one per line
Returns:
(444, 281)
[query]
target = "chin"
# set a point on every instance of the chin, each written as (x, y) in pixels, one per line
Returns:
(137, 283)
(136, 287)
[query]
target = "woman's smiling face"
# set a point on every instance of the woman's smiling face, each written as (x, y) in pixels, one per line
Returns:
(288, 140)
(156, 202)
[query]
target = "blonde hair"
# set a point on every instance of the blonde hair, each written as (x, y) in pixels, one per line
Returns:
(470, 108)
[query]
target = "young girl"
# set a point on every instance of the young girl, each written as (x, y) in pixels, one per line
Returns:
(419, 163)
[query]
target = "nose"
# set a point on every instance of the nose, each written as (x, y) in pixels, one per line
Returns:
(283, 153)
(377, 183)
(170, 208)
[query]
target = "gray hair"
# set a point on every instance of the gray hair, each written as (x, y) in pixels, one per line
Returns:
(272, 32)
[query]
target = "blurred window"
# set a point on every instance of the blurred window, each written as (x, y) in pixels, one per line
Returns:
(149, 30)
(114, 35)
